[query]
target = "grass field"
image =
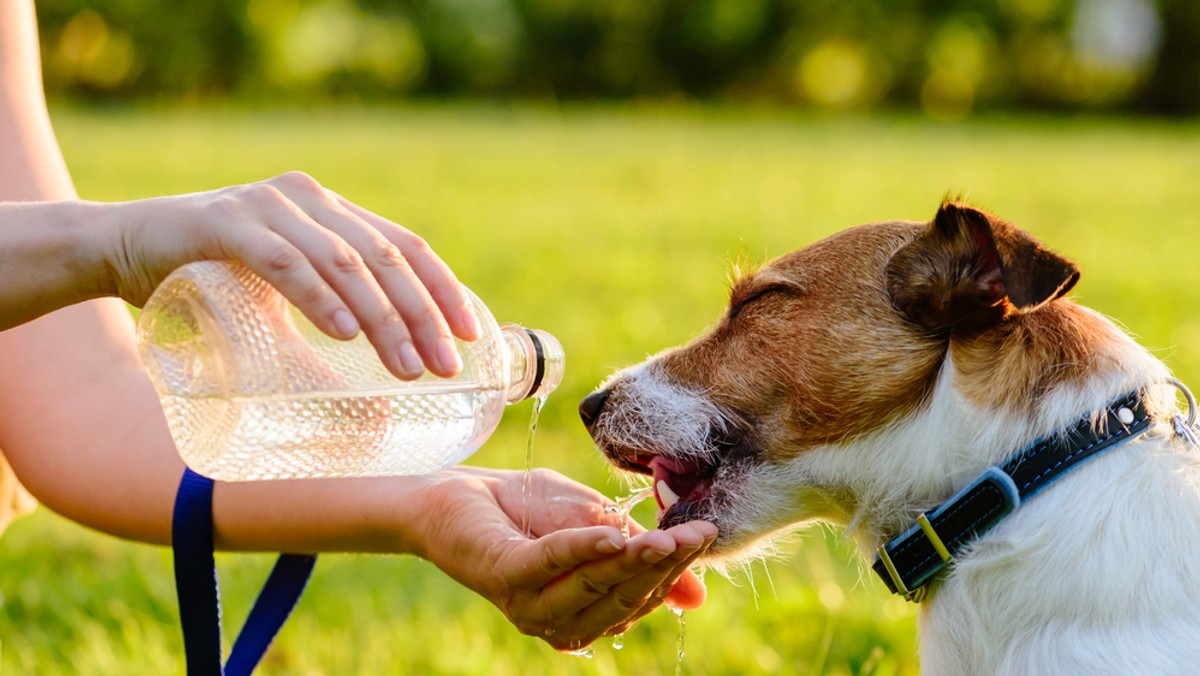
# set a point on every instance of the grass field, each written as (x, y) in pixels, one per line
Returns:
(611, 228)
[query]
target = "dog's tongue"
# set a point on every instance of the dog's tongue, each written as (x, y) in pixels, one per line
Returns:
(680, 476)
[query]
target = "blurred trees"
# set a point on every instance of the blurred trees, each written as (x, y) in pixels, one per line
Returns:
(950, 57)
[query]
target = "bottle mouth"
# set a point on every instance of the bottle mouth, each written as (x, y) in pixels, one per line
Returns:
(538, 362)
(549, 363)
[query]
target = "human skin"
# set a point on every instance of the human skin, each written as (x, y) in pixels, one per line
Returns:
(84, 431)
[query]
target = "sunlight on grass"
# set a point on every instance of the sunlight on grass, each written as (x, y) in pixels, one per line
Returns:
(612, 229)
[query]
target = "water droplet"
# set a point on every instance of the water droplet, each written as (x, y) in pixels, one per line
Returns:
(618, 641)
(577, 651)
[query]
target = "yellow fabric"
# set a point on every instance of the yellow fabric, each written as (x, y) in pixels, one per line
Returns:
(14, 499)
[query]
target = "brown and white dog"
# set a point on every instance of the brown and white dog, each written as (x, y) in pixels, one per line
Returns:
(867, 377)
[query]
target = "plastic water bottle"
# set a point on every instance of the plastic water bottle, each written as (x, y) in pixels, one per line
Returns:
(252, 390)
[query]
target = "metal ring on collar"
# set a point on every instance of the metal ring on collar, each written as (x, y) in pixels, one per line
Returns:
(1191, 400)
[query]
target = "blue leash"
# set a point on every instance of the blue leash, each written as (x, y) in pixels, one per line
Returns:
(200, 595)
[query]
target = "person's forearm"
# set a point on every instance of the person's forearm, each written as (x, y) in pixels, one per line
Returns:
(51, 256)
(378, 515)
(92, 444)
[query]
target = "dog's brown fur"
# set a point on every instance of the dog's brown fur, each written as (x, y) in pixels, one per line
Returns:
(951, 277)
(828, 298)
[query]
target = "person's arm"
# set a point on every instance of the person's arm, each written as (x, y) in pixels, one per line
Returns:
(33, 166)
(79, 421)
(343, 266)
(82, 427)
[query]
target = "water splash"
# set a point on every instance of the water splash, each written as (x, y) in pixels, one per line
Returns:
(527, 483)
(622, 506)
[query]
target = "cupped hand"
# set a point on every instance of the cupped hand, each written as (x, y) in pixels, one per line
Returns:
(344, 267)
(574, 577)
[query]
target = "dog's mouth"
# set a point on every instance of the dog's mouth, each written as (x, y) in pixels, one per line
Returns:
(680, 486)
(683, 487)
(695, 453)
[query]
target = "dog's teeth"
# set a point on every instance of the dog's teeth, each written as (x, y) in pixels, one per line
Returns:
(667, 495)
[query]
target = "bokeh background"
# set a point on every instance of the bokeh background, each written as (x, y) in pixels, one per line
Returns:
(946, 57)
(590, 168)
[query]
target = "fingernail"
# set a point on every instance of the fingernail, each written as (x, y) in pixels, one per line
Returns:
(345, 324)
(470, 323)
(608, 546)
(410, 361)
(654, 555)
(447, 357)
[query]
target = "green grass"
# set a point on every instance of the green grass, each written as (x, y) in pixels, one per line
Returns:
(610, 228)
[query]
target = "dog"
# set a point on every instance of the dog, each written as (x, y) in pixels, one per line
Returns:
(866, 379)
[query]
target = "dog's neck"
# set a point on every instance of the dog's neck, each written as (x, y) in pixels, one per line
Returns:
(987, 402)
(1029, 581)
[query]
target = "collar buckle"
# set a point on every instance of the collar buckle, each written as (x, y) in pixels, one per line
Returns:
(920, 552)
(914, 595)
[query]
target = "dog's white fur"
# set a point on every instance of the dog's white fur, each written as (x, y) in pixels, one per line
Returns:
(1098, 574)
(673, 420)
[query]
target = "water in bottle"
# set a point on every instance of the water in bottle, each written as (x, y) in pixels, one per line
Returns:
(252, 390)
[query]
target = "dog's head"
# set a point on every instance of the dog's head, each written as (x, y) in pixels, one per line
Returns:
(824, 346)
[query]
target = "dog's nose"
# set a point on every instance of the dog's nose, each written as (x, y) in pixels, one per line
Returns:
(590, 407)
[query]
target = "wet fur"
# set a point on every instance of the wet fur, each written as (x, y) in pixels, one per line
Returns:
(863, 379)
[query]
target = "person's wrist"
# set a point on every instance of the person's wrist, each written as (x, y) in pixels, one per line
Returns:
(442, 535)
(96, 230)
(406, 514)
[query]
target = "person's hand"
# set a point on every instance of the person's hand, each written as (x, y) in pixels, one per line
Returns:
(574, 578)
(344, 267)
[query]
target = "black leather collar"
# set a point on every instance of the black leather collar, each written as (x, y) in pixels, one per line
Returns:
(909, 561)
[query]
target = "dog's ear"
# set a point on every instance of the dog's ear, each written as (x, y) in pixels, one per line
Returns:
(969, 269)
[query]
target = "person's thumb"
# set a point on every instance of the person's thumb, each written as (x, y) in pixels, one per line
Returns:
(688, 593)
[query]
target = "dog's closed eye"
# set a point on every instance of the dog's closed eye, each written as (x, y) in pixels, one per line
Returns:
(741, 299)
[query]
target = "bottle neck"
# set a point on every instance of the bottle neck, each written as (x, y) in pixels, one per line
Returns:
(535, 362)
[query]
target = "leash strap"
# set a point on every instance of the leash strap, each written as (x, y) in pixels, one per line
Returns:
(908, 562)
(200, 594)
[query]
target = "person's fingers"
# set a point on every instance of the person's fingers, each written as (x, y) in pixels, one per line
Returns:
(691, 596)
(593, 582)
(429, 267)
(637, 595)
(537, 563)
(557, 610)
(684, 590)
(389, 270)
(285, 267)
(342, 268)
